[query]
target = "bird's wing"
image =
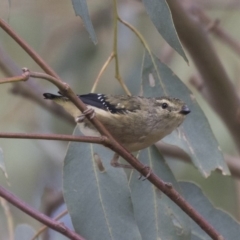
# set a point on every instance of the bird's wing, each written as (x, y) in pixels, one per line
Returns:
(114, 104)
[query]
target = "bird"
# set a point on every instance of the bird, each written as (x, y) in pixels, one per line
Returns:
(136, 122)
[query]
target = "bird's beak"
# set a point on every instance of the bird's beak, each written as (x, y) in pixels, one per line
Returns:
(185, 110)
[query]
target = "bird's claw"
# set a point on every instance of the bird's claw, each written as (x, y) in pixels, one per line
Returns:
(86, 112)
(148, 174)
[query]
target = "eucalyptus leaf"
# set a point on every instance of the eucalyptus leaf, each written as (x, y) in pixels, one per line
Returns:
(157, 216)
(228, 227)
(2, 164)
(98, 199)
(24, 232)
(194, 136)
(81, 10)
(161, 17)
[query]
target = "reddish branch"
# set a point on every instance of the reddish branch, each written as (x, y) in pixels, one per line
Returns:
(61, 137)
(59, 227)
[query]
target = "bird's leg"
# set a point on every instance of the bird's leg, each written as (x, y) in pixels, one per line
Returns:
(88, 111)
(115, 163)
(148, 174)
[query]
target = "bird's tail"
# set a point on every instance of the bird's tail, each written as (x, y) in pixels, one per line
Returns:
(51, 96)
(64, 102)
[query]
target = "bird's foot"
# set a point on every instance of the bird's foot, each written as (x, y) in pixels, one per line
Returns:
(148, 174)
(89, 112)
(115, 163)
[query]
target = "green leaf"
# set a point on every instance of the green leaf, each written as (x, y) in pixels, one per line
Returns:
(194, 136)
(2, 164)
(157, 216)
(98, 201)
(24, 232)
(221, 221)
(81, 10)
(161, 17)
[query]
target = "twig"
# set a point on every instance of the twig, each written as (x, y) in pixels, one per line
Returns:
(43, 228)
(21, 78)
(118, 148)
(29, 89)
(102, 70)
(115, 49)
(60, 137)
(59, 227)
(28, 49)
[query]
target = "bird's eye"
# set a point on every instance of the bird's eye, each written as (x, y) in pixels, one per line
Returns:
(164, 105)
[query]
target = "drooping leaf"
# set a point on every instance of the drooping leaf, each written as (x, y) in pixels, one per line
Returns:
(81, 10)
(24, 232)
(157, 216)
(2, 164)
(161, 17)
(220, 220)
(194, 136)
(98, 200)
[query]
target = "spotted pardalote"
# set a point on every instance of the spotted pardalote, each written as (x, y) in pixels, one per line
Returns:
(136, 122)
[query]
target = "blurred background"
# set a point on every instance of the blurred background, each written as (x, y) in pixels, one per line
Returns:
(52, 30)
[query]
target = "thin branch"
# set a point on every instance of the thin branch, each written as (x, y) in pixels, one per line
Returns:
(28, 49)
(144, 43)
(59, 227)
(118, 148)
(29, 90)
(44, 228)
(20, 78)
(105, 65)
(60, 137)
(115, 49)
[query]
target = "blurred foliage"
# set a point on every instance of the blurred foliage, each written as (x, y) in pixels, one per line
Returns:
(52, 29)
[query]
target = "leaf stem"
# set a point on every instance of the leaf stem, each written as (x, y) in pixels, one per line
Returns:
(60, 137)
(115, 48)
(145, 45)
(43, 228)
(102, 70)
(59, 227)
